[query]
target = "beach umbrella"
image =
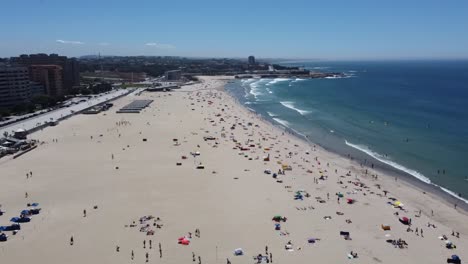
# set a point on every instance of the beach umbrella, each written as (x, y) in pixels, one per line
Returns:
(25, 212)
(14, 219)
(35, 204)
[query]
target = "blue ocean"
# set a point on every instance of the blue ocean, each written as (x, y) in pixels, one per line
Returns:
(409, 116)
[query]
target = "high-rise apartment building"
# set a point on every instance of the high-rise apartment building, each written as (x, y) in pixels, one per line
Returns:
(50, 76)
(251, 60)
(14, 86)
(70, 67)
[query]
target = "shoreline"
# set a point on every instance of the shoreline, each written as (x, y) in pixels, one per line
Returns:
(197, 160)
(387, 170)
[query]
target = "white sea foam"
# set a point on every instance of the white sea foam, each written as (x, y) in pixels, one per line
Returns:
(391, 163)
(452, 193)
(341, 77)
(271, 114)
(254, 88)
(282, 122)
(298, 80)
(291, 105)
(277, 80)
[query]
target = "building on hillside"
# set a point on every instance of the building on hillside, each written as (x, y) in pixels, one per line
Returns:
(251, 60)
(14, 86)
(174, 75)
(70, 67)
(50, 77)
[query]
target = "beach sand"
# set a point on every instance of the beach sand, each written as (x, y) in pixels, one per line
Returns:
(101, 160)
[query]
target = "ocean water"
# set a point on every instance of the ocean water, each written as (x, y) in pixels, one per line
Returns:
(411, 116)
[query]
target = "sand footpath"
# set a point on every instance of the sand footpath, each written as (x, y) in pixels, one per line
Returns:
(196, 160)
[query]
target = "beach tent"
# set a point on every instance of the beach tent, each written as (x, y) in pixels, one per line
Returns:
(35, 211)
(404, 220)
(277, 218)
(12, 227)
(454, 259)
(20, 219)
(238, 252)
(25, 212)
(184, 241)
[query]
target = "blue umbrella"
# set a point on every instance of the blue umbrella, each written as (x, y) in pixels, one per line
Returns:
(25, 212)
(35, 204)
(14, 219)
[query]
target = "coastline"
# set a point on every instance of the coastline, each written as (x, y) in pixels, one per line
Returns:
(121, 167)
(445, 195)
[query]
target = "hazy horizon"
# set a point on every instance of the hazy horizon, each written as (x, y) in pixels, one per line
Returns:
(362, 30)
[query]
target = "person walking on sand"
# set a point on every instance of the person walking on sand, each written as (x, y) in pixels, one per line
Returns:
(266, 250)
(147, 257)
(133, 255)
(199, 260)
(151, 244)
(271, 258)
(71, 241)
(160, 251)
(193, 256)
(84, 213)
(144, 243)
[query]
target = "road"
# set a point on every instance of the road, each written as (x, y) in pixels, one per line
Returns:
(60, 113)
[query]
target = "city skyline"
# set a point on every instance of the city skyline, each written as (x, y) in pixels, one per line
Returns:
(296, 30)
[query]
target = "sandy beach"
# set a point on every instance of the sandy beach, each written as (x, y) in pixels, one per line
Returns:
(96, 176)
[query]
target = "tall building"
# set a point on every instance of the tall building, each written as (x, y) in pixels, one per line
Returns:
(251, 60)
(70, 67)
(49, 76)
(174, 75)
(14, 86)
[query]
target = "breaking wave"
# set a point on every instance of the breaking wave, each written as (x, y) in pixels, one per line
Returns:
(291, 105)
(400, 167)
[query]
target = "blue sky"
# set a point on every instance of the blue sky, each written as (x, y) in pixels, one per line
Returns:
(367, 29)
